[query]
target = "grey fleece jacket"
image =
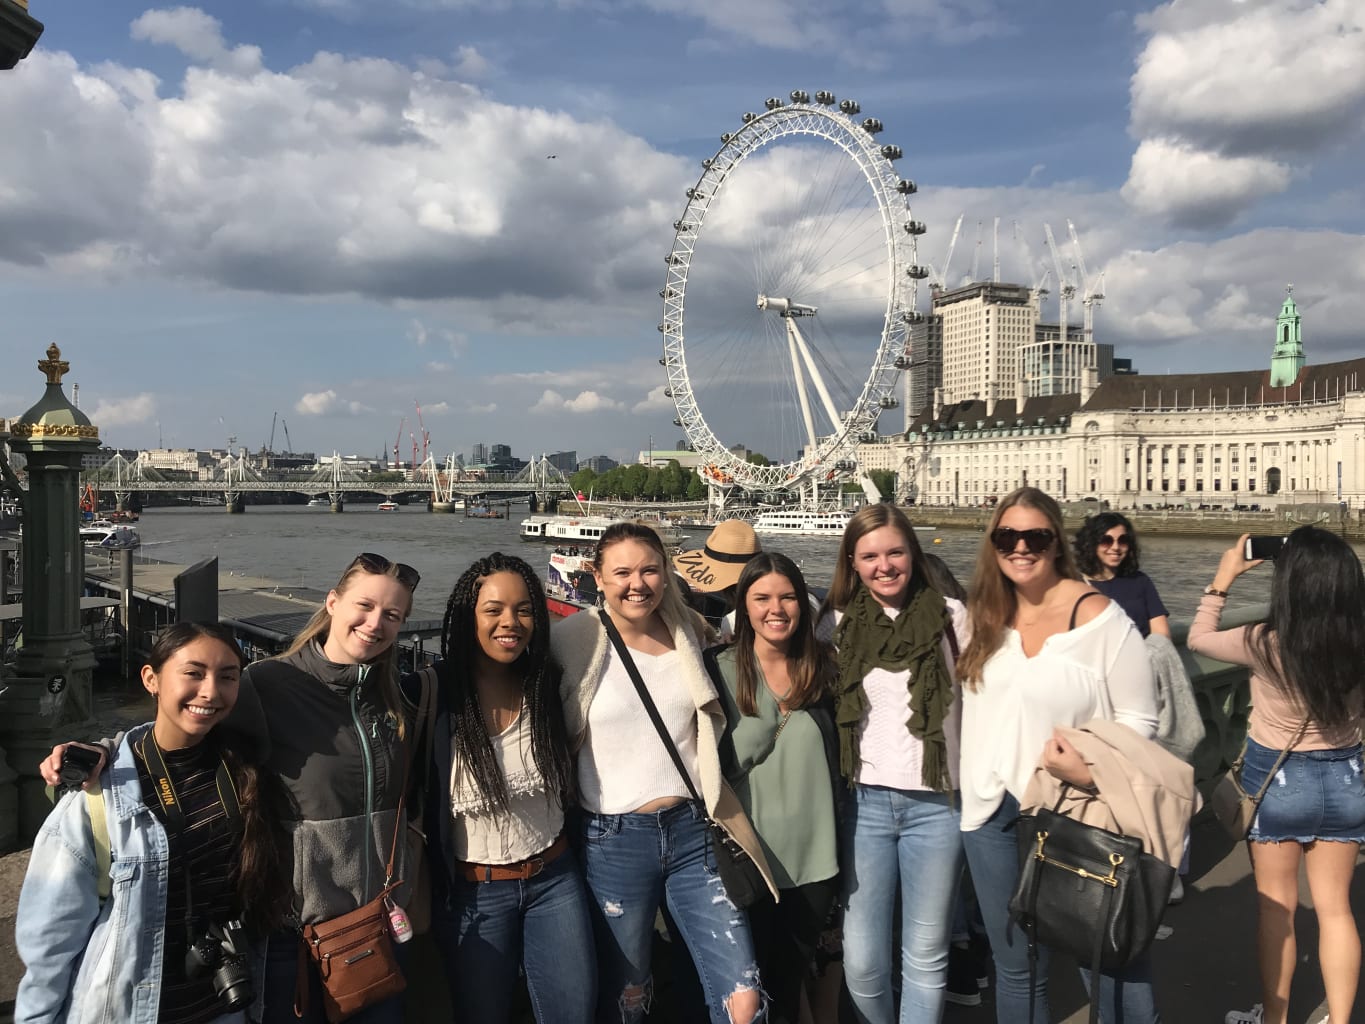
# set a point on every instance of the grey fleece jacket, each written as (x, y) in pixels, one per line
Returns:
(335, 747)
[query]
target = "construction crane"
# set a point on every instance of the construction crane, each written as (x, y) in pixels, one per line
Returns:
(270, 445)
(1039, 290)
(426, 434)
(397, 459)
(941, 278)
(287, 441)
(976, 253)
(995, 260)
(1092, 291)
(1065, 289)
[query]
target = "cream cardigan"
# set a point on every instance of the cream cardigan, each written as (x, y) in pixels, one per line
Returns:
(579, 645)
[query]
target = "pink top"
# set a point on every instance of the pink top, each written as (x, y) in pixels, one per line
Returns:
(1275, 713)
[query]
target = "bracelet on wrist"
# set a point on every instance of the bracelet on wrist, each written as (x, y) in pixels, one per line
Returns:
(1213, 591)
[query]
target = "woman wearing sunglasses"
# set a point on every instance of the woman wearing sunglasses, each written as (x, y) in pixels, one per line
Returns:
(1107, 554)
(897, 716)
(1046, 651)
(331, 714)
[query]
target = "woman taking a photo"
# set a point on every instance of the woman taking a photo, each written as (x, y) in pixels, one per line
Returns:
(1307, 697)
(1046, 651)
(898, 724)
(1108, 557)
(194, 860)
(510, 894)
(645, 841)
(782, 758)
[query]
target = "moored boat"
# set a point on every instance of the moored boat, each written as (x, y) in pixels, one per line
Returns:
(387, 506)
(586, 529)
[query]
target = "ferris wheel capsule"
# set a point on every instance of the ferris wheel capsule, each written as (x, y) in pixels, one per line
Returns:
(749, 115)
(906, 187)
(872, 126)
(850, 107)
(800, 96)
(773, 102)
(892, 152)
(915, 227)
(917, 272)
(825, 97)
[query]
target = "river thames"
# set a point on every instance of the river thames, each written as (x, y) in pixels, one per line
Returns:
(305, 548)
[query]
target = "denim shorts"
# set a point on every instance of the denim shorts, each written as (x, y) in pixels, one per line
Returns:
(1316, 794)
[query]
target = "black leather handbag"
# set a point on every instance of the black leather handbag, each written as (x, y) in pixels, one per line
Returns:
(1088, 891)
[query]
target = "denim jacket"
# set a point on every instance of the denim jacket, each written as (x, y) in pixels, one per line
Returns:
(87, 963)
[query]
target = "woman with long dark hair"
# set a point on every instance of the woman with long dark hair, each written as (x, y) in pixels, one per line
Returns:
(1109, 557)
(1307, 697)
(330, 713)
(1046, 651)
(782, 758)
(645, 839)
(510, 894)
(196, 860)
(898, 718)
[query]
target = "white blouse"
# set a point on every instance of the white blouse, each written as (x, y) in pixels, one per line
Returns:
(1098, 670)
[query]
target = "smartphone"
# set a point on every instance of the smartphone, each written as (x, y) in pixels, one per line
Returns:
(1263, 547)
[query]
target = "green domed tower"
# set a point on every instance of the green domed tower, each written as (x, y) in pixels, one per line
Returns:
(1288, 358)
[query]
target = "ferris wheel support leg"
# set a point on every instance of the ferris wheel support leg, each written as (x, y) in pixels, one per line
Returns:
(801, 384)
(831, 410)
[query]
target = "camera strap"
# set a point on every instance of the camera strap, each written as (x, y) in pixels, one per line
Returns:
(173, 812)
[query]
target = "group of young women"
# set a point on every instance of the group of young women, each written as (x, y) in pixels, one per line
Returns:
(584, 777)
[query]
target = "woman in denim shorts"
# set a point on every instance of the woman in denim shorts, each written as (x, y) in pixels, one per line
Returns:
(1307, 695)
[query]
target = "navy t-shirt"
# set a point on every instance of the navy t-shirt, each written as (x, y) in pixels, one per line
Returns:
(1137, 596)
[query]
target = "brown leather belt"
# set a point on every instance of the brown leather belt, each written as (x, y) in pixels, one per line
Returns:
(516, 871)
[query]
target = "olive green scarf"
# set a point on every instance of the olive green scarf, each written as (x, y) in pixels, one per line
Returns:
(868, 638)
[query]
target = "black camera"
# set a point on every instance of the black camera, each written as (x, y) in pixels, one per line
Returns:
(224, 951)
(77, 763)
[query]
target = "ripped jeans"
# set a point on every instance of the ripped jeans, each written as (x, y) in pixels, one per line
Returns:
(633, 863)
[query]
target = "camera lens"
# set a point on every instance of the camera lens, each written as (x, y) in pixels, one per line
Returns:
(72, 775)
(232, 982)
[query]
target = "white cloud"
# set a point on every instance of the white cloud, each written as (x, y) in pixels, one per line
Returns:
(1231, 98)
(1197, 187)
(482, 410)
(197, 35)
(316, 403)
(121, 411)
(417, 331)
(438, 409)
(584, 402)
(471, 64)
(655, 401)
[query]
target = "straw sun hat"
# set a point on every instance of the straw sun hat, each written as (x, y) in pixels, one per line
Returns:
(718, 563)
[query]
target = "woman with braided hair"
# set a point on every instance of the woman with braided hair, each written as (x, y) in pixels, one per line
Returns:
(511, 894)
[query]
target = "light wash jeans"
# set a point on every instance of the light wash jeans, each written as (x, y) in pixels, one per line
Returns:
(491, 929)
(634, 862)
(912, 839)
(1125, 994)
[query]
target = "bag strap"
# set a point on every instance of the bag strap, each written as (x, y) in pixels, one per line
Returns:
(99, 828)
(623, 652)
(1279, 761)
(1030, 924)
(1077, 606)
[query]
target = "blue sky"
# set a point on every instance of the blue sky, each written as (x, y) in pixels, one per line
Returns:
(333, 209)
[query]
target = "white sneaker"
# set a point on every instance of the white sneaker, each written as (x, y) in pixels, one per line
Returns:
(1253, 1016)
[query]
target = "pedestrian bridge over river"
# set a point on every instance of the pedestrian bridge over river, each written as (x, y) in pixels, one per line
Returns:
(234, 478)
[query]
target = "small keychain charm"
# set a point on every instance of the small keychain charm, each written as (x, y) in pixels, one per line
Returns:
(399, 925)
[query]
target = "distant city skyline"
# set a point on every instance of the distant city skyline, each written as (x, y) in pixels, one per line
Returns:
(329, 212)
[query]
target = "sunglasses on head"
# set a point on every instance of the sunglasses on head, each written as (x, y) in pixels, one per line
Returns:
(380, 566)
(1122, 540)
(1006, 539)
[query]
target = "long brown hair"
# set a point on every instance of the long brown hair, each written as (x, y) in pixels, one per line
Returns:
(809, 662)
(260, 875)
(992, 601)
(863, 522)
(383, 668)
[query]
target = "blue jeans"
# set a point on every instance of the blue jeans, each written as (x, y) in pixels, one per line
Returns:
(914, 840)
(490, 929)
(281, 973)
(633, 863)
(1125, 994)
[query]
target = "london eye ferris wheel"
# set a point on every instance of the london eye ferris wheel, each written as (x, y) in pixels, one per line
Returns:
(791, 286)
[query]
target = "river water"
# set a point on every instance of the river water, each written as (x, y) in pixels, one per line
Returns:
(301, 547)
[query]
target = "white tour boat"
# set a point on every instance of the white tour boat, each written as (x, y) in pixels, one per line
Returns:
(586, 529)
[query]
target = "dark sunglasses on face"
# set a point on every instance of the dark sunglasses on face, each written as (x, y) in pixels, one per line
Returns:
(380, 566)
(1122, 540)
(1006, 539)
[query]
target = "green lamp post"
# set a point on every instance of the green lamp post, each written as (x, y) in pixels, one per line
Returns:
(18, 32)
(49, 694)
